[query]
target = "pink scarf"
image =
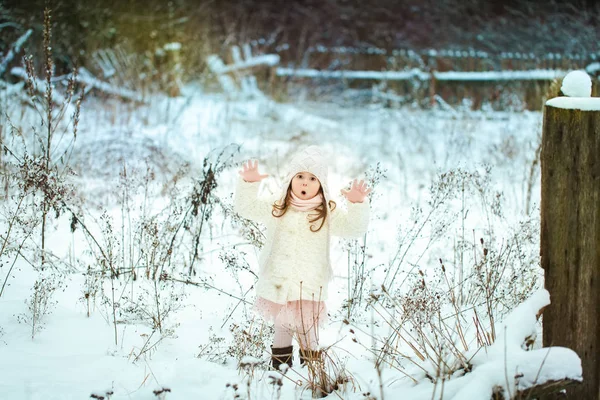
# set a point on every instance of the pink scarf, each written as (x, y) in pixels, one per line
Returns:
(305, 205)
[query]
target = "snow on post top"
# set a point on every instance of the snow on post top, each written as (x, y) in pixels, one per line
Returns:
(575, 103)
(577, 89)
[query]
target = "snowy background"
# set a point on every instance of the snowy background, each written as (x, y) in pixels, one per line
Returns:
(143, 286)
(490, 155)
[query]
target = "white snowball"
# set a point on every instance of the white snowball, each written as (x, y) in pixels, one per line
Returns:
(577, 84)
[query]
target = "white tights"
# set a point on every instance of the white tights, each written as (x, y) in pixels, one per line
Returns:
(306, 335)
(283, 336)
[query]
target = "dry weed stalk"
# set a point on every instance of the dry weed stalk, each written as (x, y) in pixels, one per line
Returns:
(442, 333)
(249, 340)
(41, 158)
(40, 303)
(38, 179)
(439, 318)
(326, 374)
(150, 246)
(356, 250)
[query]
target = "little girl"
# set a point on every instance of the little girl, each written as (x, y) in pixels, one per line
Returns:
(295, 266)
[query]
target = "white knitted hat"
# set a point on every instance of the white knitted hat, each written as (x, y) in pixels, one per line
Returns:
(311, 160)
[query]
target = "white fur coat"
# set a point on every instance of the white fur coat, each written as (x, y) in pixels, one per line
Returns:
(295, 262)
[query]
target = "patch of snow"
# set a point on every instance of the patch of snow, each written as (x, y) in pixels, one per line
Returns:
(386, 75)
(575, 103)
(410, 144)
(415, 73)
(507, 365)
(536, 74)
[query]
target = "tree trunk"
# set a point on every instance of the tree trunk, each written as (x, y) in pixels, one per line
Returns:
(570, 239)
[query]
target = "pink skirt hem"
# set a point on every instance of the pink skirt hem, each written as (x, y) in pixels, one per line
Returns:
(293, 313)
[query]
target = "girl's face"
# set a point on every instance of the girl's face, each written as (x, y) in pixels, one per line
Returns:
(305, 185)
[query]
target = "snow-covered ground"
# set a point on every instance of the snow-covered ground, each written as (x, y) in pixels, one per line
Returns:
(445, 180)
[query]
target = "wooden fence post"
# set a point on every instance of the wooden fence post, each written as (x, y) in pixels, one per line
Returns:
(570, 238)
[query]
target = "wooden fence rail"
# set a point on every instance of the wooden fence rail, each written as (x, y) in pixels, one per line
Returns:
(504, 80)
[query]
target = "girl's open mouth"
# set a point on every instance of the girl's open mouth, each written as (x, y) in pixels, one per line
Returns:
(303, 192)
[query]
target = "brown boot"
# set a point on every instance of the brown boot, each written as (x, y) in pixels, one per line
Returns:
(281, 355)
(310, 356)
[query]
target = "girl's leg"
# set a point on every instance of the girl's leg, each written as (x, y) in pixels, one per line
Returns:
(271, 310)
(282, 350)
(307, 325)
(283, 336)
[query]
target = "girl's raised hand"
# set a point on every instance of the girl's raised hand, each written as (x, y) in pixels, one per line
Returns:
(357, 192)
(249, 172)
